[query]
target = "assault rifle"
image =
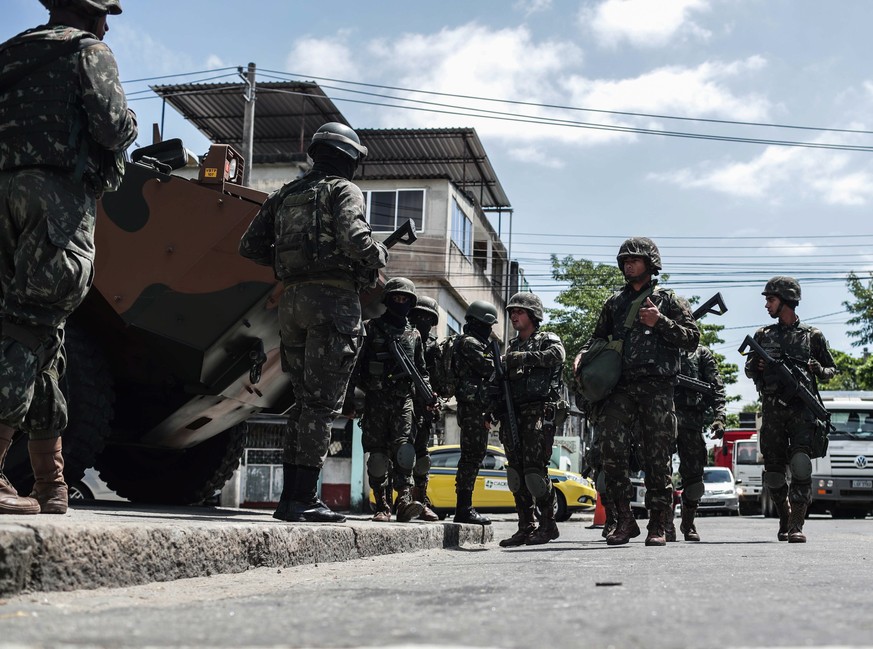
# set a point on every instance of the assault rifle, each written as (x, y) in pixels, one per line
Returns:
(408, 368)
(506, 390)
(706, 308)
(405, 234)
(794, 385)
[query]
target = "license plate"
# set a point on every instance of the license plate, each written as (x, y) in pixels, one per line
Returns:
(862, 484)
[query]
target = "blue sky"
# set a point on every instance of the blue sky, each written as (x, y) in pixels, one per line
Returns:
(726, 215)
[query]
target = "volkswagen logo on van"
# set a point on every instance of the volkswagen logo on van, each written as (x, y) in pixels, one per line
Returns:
(861, 461)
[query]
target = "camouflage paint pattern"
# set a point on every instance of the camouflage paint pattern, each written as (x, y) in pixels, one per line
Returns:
(63, 130)
(535, 453)
(787, 428)
(474, 367)
(423, 422)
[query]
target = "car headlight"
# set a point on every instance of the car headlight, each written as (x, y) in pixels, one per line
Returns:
(575, 478)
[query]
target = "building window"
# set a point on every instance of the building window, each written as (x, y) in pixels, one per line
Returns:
(453, 325)
(387, 210)
(462, 230)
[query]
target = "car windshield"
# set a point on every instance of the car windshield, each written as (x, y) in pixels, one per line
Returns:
(747, 453)
(852, 423)
(445, 458)
(717, 475)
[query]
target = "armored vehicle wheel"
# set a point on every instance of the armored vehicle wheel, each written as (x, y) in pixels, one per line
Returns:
(171, 477)
(87, 386)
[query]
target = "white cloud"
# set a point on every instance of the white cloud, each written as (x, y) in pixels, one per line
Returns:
(535, 155)
(324, 57)
(213, 61)
(643, 23)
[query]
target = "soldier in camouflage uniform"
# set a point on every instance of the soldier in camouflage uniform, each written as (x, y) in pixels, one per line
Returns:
(642, 401)
(694, 412)
(64, 128)
(534, 360)
(313, 232)
(787, 425)
(388, 407)
(424, 317)
(473, 367)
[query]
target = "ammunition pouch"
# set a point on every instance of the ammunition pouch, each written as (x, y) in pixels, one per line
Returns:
(819, 440)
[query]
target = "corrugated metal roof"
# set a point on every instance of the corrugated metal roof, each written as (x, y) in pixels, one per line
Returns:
(287, 113)
(453, 153)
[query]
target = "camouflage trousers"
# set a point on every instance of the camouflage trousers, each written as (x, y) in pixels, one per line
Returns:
(474, 444)
(46, 269)
(692, 455)
(387, 429)
(784, 432)
(320, 327)
(535, 454)
(643, 408)
(422, 436)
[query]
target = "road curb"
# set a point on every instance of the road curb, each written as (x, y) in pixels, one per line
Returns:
(113, 547)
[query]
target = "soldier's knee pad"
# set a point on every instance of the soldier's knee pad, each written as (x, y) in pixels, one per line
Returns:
(513, 479)
(693, 491)
(600, 482)
(378, 465)
(537, 485)
(406, 456)
(422, 466)
(801, 467)
(774, 479)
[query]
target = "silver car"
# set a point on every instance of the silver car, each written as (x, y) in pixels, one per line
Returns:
(720, 491)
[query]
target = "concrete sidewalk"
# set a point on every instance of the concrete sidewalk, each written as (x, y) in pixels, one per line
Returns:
(122, 544)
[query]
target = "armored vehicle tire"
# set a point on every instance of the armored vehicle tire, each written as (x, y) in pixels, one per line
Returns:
(173, 477)
(87, 386)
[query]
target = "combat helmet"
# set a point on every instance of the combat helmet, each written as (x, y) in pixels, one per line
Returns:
(400, 285)
(426, 306)
(640, 247)
(88, 7)
(483, 312)
(784, 287)
(528, 301)
(340, 137)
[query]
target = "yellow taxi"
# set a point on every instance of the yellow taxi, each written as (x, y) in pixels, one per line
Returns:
(575, 493)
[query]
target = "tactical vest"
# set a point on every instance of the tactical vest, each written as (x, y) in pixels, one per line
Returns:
(645, 353)
(685, 398)
(471, 386)
(42, 120)
(306, 232)
(379, 370)
(529, 384)
(792, 344)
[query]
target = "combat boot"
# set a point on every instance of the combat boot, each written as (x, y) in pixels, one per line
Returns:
(784, 510)
(526, 523)
(795, 523)
(464, 512)
(626, 528)
(611, 518)
(687, 525)
(10, 501)
(419, 493)
(49, 487)
(305, 506)
(656, 537)
(289, 480)
(406, 507)
(383, 504)
(670, 525)
(548, 529)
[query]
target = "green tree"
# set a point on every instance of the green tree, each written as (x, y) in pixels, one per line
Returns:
(861, 308)
(853, 373)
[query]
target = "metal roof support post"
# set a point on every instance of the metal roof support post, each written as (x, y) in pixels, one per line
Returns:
(248, 134)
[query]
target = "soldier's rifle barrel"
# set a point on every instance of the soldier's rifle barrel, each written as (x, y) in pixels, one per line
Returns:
(503, 380)
(408, 369)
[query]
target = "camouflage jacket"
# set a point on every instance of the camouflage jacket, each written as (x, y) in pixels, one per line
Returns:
(376, 368)
(797, 344)
(649, 352)
(538, 377)
(431, 355)
(314, 228)
(694, 409)
(70, 112)
(473, 365)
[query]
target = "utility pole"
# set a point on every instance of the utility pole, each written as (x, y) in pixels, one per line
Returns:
(248, 135)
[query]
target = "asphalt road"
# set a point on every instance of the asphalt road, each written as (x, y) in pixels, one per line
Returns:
(739, 587)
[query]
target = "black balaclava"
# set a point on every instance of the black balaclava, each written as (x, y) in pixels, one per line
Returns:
(333, 162)
(395, 312)
(478, 330)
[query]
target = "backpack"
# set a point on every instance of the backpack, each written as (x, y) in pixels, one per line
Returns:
(443, 377)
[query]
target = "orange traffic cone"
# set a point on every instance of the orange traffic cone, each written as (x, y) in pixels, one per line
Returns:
(599, 513)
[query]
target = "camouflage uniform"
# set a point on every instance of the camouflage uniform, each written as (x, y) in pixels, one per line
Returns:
(63, 132)
(313, 232)
(387, 421)
(694, 412)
